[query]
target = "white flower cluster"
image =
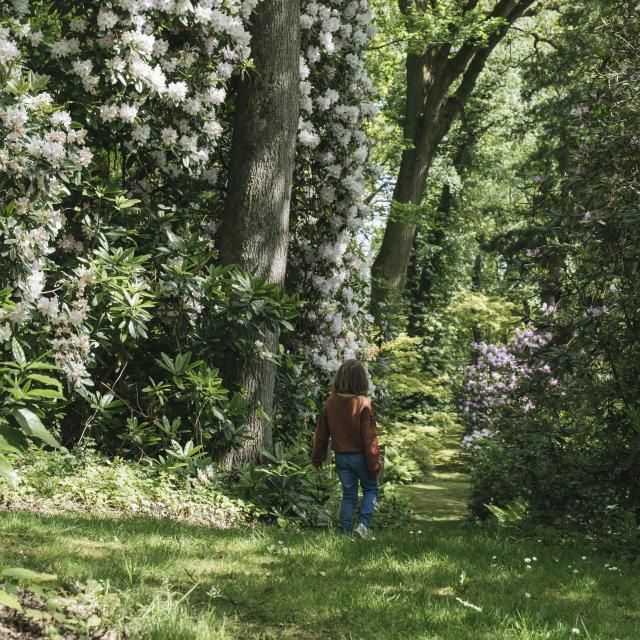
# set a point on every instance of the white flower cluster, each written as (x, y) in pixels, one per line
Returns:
(154, 72)
(40, 151)
(150, 76)
(476, 437)
(335, 102)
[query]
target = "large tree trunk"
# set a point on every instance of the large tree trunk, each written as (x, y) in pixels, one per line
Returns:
(432, 105)
(254, 233)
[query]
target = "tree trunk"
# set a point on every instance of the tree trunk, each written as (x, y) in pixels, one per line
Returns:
(431, 107)
(254, 232)
(477, 285)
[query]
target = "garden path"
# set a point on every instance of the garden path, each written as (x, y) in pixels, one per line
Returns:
(444, 496)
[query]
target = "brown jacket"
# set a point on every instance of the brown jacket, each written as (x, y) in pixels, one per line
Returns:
(351, 424)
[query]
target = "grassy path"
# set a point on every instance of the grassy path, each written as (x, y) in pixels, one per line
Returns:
(452, 581)
(446, 579)
(445, 496)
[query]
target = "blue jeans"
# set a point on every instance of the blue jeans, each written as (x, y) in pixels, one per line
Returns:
(352, 467)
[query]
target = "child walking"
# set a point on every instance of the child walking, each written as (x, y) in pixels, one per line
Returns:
(347, 417)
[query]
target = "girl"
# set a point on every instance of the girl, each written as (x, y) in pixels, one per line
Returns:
(348, 419)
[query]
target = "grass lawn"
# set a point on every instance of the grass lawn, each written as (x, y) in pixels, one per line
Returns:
(443, 497)
(184, 581)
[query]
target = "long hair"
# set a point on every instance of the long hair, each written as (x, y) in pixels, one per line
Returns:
(351, 377)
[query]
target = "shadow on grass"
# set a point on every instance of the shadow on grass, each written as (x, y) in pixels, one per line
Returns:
(397, 586)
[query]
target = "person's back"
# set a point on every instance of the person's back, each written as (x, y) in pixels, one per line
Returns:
(347, 419)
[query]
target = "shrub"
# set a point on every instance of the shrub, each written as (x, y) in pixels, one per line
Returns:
(286, 489)
(88, 482)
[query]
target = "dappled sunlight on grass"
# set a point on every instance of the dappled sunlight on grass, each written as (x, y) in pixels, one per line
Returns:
(317, 584)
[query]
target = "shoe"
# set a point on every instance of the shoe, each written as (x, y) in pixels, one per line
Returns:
(362, 531)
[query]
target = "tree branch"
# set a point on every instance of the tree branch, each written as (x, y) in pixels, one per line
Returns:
(455, 102)
(537, 38)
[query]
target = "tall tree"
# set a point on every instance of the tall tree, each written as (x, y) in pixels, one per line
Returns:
(254, 232)
(440, 78)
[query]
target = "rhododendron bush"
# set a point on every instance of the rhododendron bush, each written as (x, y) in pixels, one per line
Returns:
(329, 211)
(557, 423)
(115, 127)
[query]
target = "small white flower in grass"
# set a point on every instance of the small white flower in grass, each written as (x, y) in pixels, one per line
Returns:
(493, 557)
(584, 557)
(575, 571)
(527, 595)
(527, 560)
(534, 559)
(575, 631)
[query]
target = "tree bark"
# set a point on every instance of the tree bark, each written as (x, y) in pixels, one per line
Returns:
(254, 232)
(431, 107)
(477, 285)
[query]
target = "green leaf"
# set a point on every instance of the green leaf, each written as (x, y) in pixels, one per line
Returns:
(39, 377)
(43, 366)
(7, 600)
(18, 352)
(44, 393)
(125, 204)
(19, 573)
(33, 427)
(7, 472)
(9, 440)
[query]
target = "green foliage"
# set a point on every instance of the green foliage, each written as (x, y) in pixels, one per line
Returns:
(27, 394)
(88, 482)
(408, 385)
(571, 243)
(166, 385)
(411, 446)
(84, 608)
(510, 516)
(493, 317)
(296, 393)
(400, 466)
(14, 577)
(286, 489)
(392, 509)
(414, 407)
